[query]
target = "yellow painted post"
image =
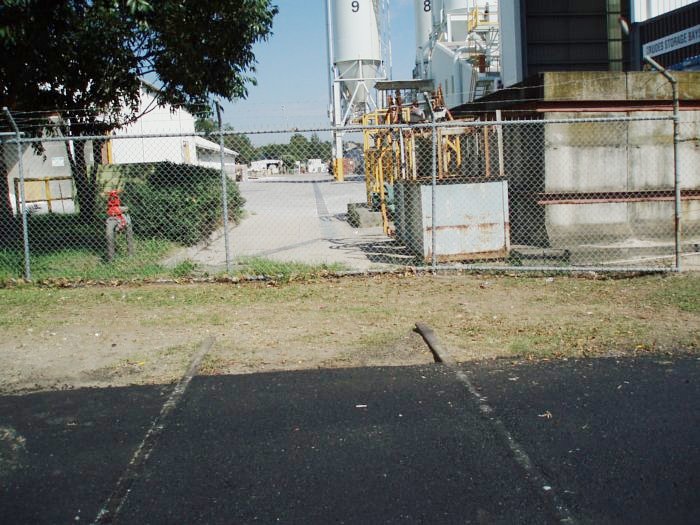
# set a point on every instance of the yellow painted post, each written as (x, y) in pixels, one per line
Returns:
(338, 170)
(382, 200)
(441, 155)
(487, 152)
(47, 186)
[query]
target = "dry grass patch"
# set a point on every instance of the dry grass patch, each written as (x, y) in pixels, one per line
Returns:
(56, 335)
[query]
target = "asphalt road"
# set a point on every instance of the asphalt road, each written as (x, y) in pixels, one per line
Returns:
(622, 444)
(604, 441)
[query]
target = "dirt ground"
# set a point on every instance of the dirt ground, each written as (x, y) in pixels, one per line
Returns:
(97, 336)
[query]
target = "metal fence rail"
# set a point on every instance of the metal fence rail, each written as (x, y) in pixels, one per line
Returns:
(598, 194)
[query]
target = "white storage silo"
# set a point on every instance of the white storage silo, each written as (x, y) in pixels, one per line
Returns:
(452, 6)
(441, 8)
(463, 33)
(437, 12)
(424, 26)
(356, 49)
(356, 63)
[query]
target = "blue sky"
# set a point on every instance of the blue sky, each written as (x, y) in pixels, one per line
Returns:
(292, 69)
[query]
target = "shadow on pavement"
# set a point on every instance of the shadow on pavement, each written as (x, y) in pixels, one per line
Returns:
(365, 445)
(353, 445)
(286, 179)
(619, 438)
(379, 249)
(61, 453)
(620, 444)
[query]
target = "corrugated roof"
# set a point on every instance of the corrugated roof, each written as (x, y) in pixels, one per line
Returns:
(203, 143)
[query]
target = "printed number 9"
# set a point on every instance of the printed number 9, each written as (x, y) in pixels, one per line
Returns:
(356, 6)
(426, 5)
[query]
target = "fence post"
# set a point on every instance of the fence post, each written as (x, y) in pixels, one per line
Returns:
(433, 186)
(501, 155)
(224, 189)
(676, 174)
(25, 225)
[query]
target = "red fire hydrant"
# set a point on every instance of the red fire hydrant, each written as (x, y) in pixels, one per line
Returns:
(114, 208)
(117, 221)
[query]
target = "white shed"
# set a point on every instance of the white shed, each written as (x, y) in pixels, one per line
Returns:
(154, 121)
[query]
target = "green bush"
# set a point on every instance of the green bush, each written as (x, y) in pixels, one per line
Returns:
(178, 202)
(168, 203)
(54, 232)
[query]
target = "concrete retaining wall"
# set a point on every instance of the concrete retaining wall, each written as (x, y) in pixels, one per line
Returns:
(619, 157)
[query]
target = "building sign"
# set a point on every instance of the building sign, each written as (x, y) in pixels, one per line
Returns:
(672, 42)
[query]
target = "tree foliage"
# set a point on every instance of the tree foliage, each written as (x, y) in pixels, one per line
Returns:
(205, 125)
(90, 54)
(242, 145)
(298, 149)
(79, 63)
(179, 202)
(238, 142)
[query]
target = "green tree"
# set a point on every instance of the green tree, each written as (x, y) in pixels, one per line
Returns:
(299, 147)
(289, 161)
(205, 125)
(242, 145)
(318, 149)
(83, 60)
(272, 151)
(238, 142)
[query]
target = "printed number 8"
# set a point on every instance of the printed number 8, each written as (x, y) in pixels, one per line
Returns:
(426, 5)
(356, 6)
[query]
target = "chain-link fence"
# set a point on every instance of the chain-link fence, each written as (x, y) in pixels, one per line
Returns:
(567, 194)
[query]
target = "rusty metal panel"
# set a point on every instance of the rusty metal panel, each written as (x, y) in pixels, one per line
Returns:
(471, 220)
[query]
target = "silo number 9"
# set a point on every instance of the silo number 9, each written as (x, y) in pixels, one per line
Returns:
(427, 5)
(355, 6)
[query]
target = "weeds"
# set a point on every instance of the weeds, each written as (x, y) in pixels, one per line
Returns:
(683, 292)
(86, 264)
(184, 268)
(328, 322)
(285, 271)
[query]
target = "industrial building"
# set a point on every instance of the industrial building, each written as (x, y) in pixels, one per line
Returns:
(49, 185)
(623, 186)
(543, 61)
(567, 35)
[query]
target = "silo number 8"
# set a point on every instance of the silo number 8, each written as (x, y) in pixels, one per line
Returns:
(426, 5)
(355, 6)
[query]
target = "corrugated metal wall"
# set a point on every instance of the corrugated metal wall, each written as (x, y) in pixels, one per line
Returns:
(666, 25)
(566, 35)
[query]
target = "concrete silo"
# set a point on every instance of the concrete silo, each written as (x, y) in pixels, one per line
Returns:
(356, 54)
(424, 27)
(460, 53)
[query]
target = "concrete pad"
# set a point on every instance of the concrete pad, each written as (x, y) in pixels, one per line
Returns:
(296, 218)
(360, 216)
